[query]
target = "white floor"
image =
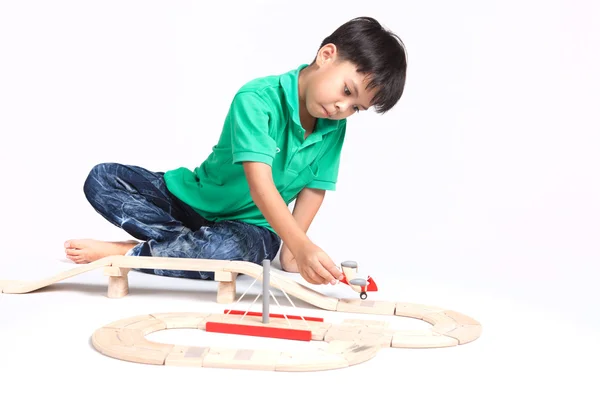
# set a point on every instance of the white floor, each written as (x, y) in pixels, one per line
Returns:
(476, 194)
(523, 352)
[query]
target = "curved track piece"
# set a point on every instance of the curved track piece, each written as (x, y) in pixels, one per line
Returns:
(19, 287)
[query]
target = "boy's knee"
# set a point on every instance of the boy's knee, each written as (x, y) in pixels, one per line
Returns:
(98, 176)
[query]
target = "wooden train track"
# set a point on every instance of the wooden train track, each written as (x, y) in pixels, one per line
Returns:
(349, 343)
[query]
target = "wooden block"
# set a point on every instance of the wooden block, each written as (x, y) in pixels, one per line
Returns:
(345, 332)
(354, 352)
(175, 263)
(116, 271)
(111, 337)
(134, 354)
(366, 322)
(126, 262)
(465, 333)
(262, 331)
(30, 286)
(374, 329)
(310, 361)
(377, 333)
(108, 342)
(150, 345)
(217, 318)
(461, 319)
(317, 329)
(213, 318)
(383, 338)
(226, 292)
(438, 318)
(225, 276)
(118, 287)
(218, 357)
(123, 323)
(421, 339)
(466, 329)
(319, 332)
(179, 320)
(340, 335)
(13, 286)
(314, 326)
(147, 326)
(5, 284)
(346, 327)
(186, 356)
(412, 310)
(294, 323)
(366, 306)
(441, 322)
(129, 337)
(444, 328)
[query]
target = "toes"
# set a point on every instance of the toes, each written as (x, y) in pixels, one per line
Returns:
(73, 252)
(76, 243)
(76, 259)
(71, 244)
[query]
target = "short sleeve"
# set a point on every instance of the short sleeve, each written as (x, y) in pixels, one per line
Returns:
(249, 127)
(328, 166)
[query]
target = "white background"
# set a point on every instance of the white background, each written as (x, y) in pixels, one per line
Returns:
(479, 192)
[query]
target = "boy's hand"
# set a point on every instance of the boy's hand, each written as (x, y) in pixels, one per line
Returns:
(315, 265)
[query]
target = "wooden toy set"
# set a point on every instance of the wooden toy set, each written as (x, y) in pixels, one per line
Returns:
(351, 342)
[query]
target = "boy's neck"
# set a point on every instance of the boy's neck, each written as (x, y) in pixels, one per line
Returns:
(308, 121)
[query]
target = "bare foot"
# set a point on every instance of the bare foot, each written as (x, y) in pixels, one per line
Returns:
(287, 261)
(290, 268)
(83, 251)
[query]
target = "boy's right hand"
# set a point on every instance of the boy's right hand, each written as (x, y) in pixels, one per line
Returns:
(316, 266)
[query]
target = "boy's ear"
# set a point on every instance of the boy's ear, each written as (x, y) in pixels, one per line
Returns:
(327, 54)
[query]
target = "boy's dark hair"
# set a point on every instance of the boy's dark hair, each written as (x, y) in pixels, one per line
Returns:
(378, 53)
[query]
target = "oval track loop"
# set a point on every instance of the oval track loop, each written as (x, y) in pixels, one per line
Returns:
(352, 342)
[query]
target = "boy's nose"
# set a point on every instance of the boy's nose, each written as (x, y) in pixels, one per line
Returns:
(341, 107)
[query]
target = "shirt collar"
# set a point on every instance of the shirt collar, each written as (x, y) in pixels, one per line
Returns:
(289, 84)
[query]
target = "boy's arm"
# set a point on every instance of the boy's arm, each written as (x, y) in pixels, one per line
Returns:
(315, 266)
(306, 207)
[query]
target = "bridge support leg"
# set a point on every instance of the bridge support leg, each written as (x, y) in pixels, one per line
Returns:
(226, 290)
(118, 283)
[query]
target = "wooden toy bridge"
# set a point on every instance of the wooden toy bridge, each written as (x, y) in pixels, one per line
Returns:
(349, 343)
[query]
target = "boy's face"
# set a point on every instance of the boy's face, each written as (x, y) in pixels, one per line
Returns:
(335, 90)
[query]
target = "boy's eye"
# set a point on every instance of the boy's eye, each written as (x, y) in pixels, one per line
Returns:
(347, 91)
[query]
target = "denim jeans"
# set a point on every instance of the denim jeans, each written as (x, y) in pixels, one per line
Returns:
(138, 201)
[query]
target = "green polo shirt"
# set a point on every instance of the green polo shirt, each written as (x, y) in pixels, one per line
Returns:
(263, 124)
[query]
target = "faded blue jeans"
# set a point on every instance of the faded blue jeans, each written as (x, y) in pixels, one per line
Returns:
(138, 201)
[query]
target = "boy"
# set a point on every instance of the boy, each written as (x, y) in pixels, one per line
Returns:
(281, 141)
